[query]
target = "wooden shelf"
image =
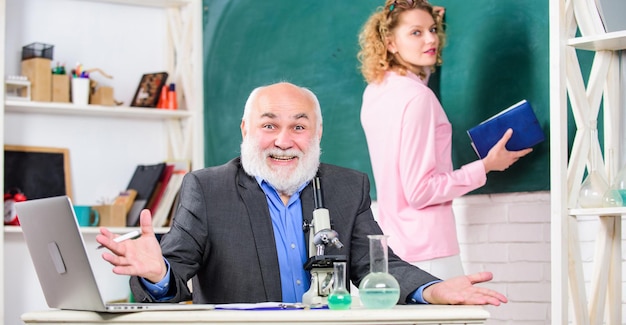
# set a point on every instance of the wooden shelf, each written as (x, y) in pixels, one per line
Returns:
(29, 107)
(603, 42)
(598, 212)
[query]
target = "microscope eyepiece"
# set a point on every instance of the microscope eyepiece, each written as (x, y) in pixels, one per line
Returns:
(335, 241)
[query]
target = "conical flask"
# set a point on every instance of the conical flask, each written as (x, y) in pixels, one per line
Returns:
(339, 297)
(612, 197)
(379, 289)
(619, 185)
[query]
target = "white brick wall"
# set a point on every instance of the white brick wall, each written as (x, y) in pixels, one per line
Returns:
(509, 235)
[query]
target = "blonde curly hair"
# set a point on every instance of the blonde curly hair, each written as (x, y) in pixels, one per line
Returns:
(374, 57)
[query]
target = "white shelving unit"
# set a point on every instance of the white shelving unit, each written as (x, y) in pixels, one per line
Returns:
(125, 38)
(600, 301)
(2, 89)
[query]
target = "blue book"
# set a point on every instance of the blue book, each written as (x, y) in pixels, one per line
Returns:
(520, 117)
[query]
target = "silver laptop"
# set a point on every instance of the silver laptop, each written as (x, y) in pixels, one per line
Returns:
(58, 252)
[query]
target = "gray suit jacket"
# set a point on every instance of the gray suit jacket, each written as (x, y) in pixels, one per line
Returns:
(222, 236)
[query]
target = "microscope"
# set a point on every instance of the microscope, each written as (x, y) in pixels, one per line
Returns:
(320, 265)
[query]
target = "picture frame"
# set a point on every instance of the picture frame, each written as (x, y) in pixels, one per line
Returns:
(149, 89)
(37, 172)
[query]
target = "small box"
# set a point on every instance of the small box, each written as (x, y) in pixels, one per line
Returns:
(60, 88)
(111, 215)
(39, 74)
(17, 88)
(102, 96)
(37, 50)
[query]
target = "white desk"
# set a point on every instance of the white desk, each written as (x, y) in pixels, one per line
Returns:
(417, 314)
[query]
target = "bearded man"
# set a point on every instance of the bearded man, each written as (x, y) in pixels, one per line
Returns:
(238, 233)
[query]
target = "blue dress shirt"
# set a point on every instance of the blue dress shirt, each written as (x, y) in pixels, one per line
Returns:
(290, 245)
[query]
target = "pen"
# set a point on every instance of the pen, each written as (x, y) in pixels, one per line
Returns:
(129, 235)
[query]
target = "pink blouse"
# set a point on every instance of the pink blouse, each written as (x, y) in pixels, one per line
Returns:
(409, 139)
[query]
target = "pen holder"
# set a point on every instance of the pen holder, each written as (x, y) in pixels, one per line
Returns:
(40, 76)
(60, 88)
(112, 215)
(80, 91)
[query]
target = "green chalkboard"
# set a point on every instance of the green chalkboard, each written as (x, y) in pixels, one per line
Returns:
(497, 54)
(310, 43)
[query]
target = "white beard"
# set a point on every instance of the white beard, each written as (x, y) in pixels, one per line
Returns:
(285, 180)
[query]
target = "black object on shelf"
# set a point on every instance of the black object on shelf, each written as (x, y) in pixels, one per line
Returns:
(37, 50)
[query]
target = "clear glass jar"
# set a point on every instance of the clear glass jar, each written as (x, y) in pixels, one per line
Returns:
(339, 298)
(379, 289)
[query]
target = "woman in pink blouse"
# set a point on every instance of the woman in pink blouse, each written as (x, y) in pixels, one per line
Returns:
(409, 137)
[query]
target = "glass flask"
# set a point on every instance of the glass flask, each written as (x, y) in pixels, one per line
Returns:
(339, 297)
(592, 191)
(594, 187)
(379, 289)
(612, 198)
(619, 185)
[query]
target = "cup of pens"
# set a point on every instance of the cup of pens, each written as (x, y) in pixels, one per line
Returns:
(80, 87)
